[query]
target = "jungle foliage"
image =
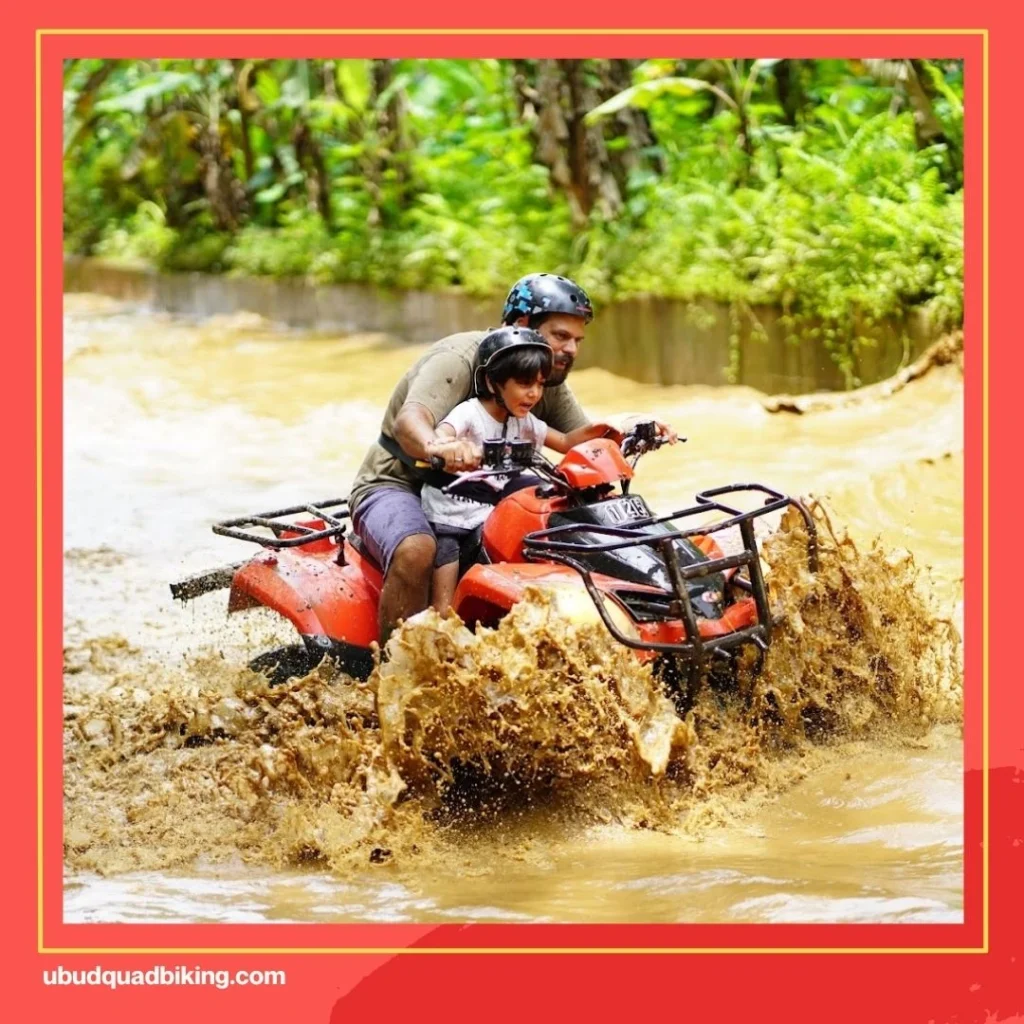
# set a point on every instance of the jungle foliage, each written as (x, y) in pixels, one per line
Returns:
(830, 188)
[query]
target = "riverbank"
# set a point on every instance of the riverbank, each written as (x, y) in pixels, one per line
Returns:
(650, 340)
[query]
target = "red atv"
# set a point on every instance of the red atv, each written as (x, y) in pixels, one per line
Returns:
(661, 587)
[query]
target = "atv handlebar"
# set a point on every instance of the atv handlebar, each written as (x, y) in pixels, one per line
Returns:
(510, 458)
(499, 456)
(434, 462)
(643, 438)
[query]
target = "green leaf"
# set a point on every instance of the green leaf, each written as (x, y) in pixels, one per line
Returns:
(355, 82)
(267, 88)
(645, 93)
(295, 93)
(270, 195)
(162, 84)
(955, 102)
(399, 84)
(653, 69)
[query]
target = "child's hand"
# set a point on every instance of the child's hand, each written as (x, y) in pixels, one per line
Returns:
(459, 456)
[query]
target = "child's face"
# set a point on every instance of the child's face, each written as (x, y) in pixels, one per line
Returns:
(520, 398)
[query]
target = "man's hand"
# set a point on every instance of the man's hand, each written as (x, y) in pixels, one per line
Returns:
(459, 456)
(628, 422)
(666, 432)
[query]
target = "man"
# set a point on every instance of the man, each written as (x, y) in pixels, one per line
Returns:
(385, 500)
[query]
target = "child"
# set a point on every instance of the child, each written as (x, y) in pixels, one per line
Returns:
(511, 366)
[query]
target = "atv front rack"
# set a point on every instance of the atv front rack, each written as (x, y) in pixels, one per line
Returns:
(547, 545)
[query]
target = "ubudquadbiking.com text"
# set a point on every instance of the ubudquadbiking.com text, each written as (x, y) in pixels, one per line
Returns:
(114, 979)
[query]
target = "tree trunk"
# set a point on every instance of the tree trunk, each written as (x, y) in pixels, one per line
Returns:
(630, 122)
(388, 148)
(224, 192)
(247, 103)
(787, 84)
(86, 100)
(927, 127)
(555, 96)
(311, 159)
(910, 79)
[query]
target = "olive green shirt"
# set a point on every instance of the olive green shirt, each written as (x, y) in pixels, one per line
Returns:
(440, 379)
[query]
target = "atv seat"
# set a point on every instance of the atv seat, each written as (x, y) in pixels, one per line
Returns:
(469, 550)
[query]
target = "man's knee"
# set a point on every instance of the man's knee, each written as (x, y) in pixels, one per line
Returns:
(413, 560)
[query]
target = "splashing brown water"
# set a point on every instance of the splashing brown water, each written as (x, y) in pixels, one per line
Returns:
(538, 712)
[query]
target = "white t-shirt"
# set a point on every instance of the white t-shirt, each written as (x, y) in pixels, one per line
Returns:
(472, 422)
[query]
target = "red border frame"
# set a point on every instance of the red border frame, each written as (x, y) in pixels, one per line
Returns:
(914, 973)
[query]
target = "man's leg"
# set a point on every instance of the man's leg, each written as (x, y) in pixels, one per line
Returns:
(406, 589)
(391, 524)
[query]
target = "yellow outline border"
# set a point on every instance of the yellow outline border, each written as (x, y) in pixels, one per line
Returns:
(39, 486)
(984, 493)
(528, 950)
(513, 32)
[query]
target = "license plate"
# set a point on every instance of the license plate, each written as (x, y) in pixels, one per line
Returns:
(625, 510)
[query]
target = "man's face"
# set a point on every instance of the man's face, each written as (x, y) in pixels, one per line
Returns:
(564, 333)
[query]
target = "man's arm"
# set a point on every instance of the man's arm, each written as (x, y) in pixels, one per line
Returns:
(414, 429)
(441, 383)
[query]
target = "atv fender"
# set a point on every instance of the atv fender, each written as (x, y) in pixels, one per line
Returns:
(316, 594)
(487, 593)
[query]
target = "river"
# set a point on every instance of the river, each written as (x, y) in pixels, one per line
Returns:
(172, 424)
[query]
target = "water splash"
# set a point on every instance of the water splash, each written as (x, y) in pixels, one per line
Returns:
(540, 716)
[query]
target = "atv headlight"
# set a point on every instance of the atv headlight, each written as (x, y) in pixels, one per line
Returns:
(574, 603)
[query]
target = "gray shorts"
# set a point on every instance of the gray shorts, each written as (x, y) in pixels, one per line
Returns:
(449, 543)
(384, 518)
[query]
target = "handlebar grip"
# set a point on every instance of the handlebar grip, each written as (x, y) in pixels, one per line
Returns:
(436, 462)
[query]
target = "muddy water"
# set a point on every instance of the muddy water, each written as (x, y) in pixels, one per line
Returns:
(170, 425)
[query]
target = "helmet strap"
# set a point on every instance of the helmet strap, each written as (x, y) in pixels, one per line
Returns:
(496, 393)
(493, 392)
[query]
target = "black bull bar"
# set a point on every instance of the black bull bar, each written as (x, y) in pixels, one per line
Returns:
(545, 545)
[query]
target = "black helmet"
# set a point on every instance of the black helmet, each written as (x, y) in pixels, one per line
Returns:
(537, 294)
(498, 342)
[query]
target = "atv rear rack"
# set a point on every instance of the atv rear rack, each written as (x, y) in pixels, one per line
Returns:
(284, 534)
(281, 534)
(546, 545)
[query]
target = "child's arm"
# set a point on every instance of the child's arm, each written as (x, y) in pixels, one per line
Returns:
(460, 453)
(561, 443)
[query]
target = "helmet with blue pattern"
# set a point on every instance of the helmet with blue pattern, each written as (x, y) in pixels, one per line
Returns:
(538, 295)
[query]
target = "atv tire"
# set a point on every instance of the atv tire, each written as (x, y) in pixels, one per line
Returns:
(283, 663)
(675, 679)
